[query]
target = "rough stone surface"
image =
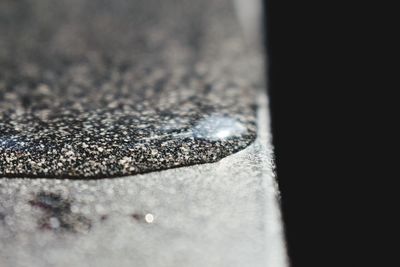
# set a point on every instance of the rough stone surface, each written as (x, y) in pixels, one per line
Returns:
(219, 214)
(93, 89)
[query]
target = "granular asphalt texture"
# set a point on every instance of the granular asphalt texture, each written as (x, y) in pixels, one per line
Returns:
(92, 89)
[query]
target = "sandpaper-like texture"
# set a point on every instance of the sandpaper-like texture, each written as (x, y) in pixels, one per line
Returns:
(93, 89)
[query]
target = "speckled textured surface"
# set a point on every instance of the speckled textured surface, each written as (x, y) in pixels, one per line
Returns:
(188, 80)
(222, 214)
(108, 88)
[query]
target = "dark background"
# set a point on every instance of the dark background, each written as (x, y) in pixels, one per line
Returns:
(320, 123)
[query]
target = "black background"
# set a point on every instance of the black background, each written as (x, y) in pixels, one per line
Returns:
(322, 125)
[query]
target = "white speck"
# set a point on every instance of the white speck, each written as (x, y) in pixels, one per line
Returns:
(125, 160)
(54, 222)
(44, 89)
(74, 209)
(149, 218)
(69, 153)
